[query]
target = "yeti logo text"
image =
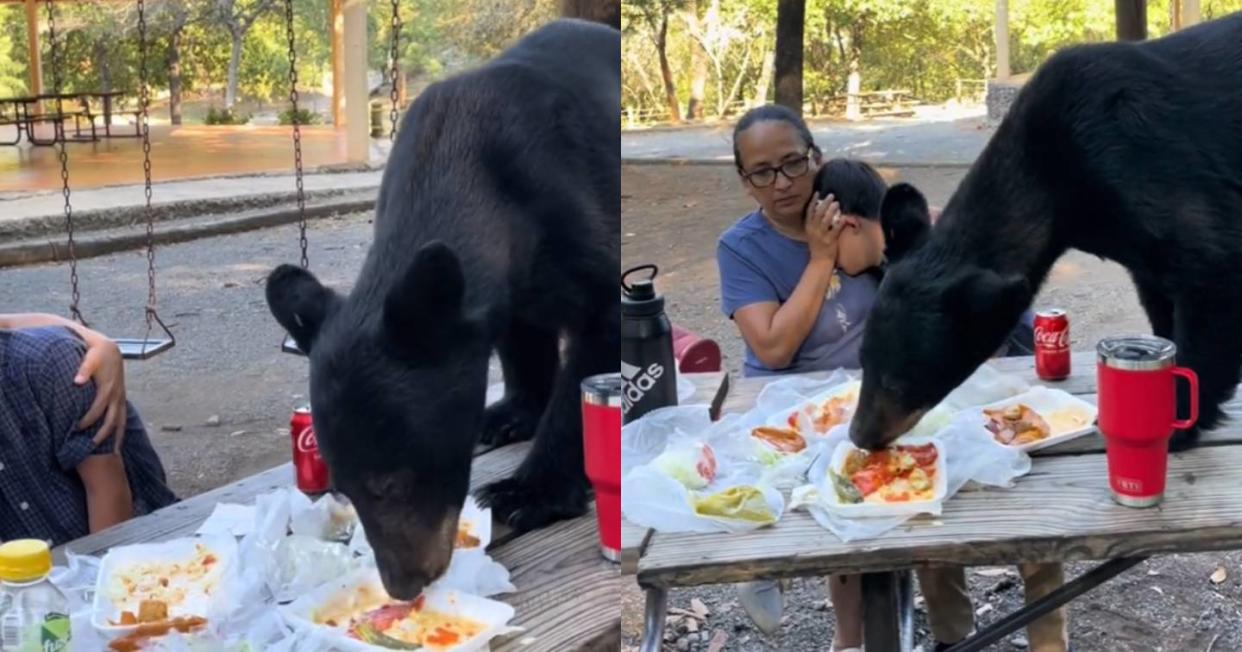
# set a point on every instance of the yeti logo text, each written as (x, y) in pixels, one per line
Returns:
(1129, 485)
(638, 384)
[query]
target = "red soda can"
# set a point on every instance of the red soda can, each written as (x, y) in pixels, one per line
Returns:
(1052, 347)
(308, 467)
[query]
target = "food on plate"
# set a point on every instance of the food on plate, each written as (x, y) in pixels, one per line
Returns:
(1067, 419)
(901, 474)
(464, 537)
(829, 413)
(135, 640)
(742, 503)
(694, 466)
(780, 439)
(401, 625)
(1016, 425)
(136, 585)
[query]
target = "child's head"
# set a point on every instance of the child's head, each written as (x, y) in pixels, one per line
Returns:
(859, 189)
(776, 159)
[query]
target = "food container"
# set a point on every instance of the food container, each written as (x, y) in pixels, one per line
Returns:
(867, 510)
(1045, 401)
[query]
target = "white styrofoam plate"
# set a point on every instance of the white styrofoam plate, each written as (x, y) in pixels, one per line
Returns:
(1048, 403)
(866, 510)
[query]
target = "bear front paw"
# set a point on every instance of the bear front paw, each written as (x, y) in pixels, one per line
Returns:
(530, 504)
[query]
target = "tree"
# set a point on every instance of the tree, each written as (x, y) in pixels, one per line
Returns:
(1131, 19)
(237, 17)
(790, 20)
(607, 12)
(173, 17)
(655, 15)
(698, 61)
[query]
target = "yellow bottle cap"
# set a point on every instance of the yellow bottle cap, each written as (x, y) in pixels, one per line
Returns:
(25, 560)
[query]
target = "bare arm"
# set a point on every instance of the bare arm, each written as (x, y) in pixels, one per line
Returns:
(108, 497)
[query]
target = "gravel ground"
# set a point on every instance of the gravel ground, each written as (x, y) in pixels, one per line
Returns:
(672, 215)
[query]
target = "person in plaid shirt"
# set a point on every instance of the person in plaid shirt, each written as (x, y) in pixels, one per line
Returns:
(64, 472)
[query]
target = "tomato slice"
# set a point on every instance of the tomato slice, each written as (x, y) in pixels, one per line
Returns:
(706, 467)
(792, 420)
(925, 455)
(383, 618)
(868, 480)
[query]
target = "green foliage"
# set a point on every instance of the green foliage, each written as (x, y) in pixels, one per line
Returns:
(224, 117)
(302, 117)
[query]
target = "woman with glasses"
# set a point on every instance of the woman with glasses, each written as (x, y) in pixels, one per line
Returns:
(780, 283)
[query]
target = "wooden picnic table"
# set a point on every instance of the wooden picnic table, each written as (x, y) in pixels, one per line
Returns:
(1060, 511)
(566, 596)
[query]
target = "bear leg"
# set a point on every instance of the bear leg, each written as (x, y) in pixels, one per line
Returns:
(1206, 338)
(529, 356)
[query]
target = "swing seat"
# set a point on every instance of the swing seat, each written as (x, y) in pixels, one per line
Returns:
(134, 348)
(291, 346)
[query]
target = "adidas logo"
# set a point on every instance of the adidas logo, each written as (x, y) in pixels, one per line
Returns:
(638, 382)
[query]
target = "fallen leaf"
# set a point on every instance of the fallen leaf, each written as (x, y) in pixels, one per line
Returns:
(983, 610)
(683, 613)
(692, 625)
(699, 608)
(718, 642)
(1158, 590)
(1220, 575)
(1153, 572)
(992, 572)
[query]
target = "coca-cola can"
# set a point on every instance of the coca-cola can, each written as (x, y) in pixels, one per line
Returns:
(1052, 344)
(308, 466)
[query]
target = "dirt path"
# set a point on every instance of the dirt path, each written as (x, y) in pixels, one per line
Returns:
(672, 216)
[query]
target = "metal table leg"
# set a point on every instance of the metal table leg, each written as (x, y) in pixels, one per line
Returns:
(653, 620)
(888, 612)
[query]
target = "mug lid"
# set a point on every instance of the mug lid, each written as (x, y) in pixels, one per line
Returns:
(603, 389)
(1136, 352)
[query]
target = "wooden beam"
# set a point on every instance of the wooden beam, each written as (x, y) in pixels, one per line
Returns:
(1190, 13)
(1131, 20)
(336, 31)
(1001, 33)
(35, 68)
(357, 136)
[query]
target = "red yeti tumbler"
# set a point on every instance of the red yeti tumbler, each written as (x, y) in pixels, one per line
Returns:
(1138, 410)
(601, 432)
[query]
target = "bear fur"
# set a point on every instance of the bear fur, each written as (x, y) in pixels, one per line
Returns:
(1129, 151)
(497, 228)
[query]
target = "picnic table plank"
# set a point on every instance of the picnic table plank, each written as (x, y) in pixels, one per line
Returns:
(633, 540)
(567, 592)
(183, 518)
(1060, 511)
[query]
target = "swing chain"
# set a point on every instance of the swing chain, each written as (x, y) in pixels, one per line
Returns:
(394, 68)
(144, 101)
(297, 132)
(59, 136)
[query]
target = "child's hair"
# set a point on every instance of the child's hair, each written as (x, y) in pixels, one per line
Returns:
(856, 186)
(775, 113)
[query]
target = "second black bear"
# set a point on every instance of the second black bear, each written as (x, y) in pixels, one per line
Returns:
(497, 227)
(1130, 151)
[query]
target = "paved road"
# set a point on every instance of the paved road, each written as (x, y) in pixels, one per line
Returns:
(227, 361)
(949, 140)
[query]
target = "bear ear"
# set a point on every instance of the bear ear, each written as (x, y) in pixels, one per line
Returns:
(425, 304)
(905, 219)
(981, 291)
(299, 302)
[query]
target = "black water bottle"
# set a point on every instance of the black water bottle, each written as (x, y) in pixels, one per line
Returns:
(647, 363)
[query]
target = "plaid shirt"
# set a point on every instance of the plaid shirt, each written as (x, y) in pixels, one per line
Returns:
(41, 494)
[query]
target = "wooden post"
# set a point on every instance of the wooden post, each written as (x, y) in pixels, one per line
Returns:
(1001, 33)
(1190, 13)
(35, 68)
(336, 31)
(1131, 20)
(357, 136)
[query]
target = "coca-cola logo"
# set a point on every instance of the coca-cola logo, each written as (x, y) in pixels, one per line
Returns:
(1046, 338)
(306, 442)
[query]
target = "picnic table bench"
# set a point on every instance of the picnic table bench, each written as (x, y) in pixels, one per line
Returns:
(1060, 511)
(566, 596)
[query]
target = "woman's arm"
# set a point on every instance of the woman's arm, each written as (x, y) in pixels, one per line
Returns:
(102, 363)
(775, 331)
(108, 497)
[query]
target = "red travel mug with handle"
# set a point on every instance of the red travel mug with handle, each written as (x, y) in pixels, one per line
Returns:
(601, 445)
(1138, 414)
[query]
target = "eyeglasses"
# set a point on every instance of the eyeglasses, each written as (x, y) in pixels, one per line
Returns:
(764, 177)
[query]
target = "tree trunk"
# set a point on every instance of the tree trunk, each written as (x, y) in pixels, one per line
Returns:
(765, 77)
(174, 76)
(670, 89)
(698, 64)
(105, 71)
(230, 92)
(790, 16)
(607, 12)
(1131, 20)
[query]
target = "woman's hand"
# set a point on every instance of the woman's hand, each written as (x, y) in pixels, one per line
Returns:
(823, 224)
(103, 364)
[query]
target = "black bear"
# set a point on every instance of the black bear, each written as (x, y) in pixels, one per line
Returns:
(497, 227)
(1130, 151)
